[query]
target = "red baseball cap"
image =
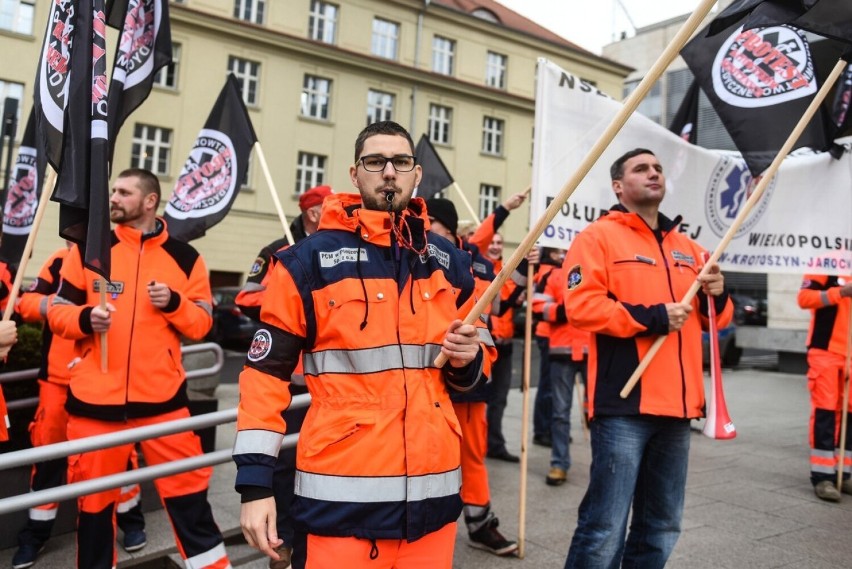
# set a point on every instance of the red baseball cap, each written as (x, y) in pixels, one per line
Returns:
(313, 197)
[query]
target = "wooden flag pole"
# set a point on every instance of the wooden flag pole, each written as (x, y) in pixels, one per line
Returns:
(263, 166)
(743, 214)
(620, 119)
(459, 191)
(102, 284)
(847, 372)
(525, 378)
(46, 191)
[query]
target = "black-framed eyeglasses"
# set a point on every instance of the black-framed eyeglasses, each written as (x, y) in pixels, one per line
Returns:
(377, 162)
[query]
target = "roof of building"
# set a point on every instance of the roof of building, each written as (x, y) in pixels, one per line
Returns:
(493, 11)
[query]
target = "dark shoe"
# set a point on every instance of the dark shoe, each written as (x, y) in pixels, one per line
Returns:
(134, 540)
(505, 456)
(26, 555)
(285, 553)
(557, 476)
(488, 538)
(846, 487)
(542, 440)
(826, 490)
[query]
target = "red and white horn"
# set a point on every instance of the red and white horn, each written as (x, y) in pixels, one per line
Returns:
(718, 424)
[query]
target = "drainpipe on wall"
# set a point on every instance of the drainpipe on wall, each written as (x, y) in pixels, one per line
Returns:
(417, 38)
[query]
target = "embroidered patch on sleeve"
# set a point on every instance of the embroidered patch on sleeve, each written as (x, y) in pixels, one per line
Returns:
(257, 267)
(575, 277)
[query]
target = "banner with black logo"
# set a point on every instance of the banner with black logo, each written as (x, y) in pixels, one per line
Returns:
(215, 169)
(436, 177)
(760, 81)
(71, 119)
(144, 46)
(685, 122)
(22, 197)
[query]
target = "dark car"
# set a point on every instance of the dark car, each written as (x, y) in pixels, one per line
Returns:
(230, 326)
(729, 352)
(749, 311)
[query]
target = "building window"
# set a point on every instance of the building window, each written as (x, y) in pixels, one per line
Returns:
(167, 76)
(440, 120)
(322, 22)
(652, 105)
(495, 70)
(12, 90)
(385, 38)
(310, 171)
(492, 136)
(17, 16)
(489, 199)
(151, 148)
(443, 55)
(316, 97)
(250, 10)
(379, 106)
(248, 76)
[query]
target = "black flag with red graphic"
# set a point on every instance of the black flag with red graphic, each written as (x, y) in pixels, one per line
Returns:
(760, 82)
(215, 169)
(22, 197)
(436, 177)
(840, 109)
(82, 186)
(685, 122)
(144, 46)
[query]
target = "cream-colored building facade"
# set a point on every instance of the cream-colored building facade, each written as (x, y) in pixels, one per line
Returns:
(312, 72)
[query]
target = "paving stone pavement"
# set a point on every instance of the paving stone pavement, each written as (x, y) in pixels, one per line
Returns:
(749, 503)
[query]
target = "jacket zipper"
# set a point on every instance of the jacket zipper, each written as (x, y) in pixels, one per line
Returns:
(132, 327)
(679, 333)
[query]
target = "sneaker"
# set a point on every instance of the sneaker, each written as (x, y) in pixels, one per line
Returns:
(285, 553)
(26, 555)
(488, 538)
(134, 540)
(557, 476)
(826, 490)
(846, 487)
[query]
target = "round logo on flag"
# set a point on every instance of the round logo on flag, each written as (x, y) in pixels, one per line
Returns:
(135, 57)
(56, 62)
(731, 185)
(260, 346)
(208, 180)
(21, 201)
(762, 67)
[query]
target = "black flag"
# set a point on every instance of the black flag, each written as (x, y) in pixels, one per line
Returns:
(760, 82)
(685, 122)
(840, 114)
(144, 46)
(71, 119)
(436, 177)
(828, 18)
(22, 198)
(216, 168)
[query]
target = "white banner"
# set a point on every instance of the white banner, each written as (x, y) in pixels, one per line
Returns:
(802, 224)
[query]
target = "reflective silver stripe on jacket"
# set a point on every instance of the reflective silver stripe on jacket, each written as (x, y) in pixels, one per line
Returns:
(372, 489)
(253, 287)
(824, 455)
(257, 441)
(371, 360)
(485, 337)
(206, 306)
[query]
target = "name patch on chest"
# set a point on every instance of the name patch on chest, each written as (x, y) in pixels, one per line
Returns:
(683, 258)
(345, 255)
(114, 287)
(442, 257)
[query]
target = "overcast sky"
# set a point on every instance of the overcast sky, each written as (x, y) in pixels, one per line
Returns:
(595, 23)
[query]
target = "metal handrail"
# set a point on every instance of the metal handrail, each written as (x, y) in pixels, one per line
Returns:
(77, 489)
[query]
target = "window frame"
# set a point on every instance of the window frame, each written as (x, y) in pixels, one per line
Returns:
(493, 135)
(496, 70)
(309, 175)
(443, 55)
(252, 11)
(440, 121)
(380, 108)
(248, 78)
(155, 144)
(381, 48)
(319, 22)
(313, 98)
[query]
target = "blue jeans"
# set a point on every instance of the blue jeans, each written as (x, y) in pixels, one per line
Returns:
(640, 460)
(543, 407)
(562, 375)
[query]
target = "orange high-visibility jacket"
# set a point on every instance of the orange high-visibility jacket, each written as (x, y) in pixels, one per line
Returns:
(830, 312)
(566, 341)
(57, 352)
(619, 277)
(378, 454)
(502, 317)
(145, 376)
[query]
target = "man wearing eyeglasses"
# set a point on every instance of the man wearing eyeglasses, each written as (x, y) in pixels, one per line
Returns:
(369, 301)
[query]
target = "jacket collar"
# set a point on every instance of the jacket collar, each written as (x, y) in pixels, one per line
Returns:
(620, 214)
(345, 212)
(133, 236)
